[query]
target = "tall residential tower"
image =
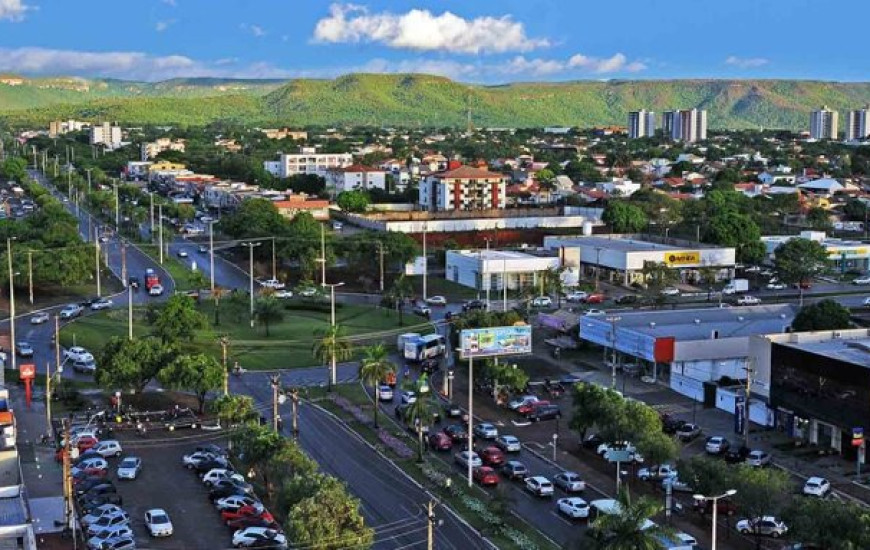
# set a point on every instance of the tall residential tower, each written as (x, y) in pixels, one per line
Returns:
(857, 128)
(823, 124)
(641, 124)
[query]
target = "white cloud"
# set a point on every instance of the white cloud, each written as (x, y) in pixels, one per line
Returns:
(169, 2)
(163, 25)
(424, 31)
(13, 10)
(746, 62)
(256, 30)
(614, 64)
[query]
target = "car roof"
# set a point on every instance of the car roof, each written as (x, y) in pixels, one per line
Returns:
(540, 479)
(574, 500)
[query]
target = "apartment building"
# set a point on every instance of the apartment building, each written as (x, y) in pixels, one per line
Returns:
(307, 161)
(60, 127)
(823, 124)
(463, 188)
(106, 134)
(284, 133)
(356, 176)
(857, 128)
(154, 148)
(641, 124)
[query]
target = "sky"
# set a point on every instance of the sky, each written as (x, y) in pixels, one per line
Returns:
(483, 41)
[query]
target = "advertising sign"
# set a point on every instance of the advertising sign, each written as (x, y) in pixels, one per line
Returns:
(683, 257)
(739, 413)
(27, 371)
(495, 341)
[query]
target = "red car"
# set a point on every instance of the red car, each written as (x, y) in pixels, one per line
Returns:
(440, 441)
(527, 408)
(86, 442)
(492, 456)
(595, 298)
(246, 512)
(485, 476)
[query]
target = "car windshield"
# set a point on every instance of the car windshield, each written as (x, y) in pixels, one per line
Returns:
(159, 518)
(128, 463)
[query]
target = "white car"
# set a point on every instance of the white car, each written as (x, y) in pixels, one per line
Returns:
(272, 283)
(717, 445)
(385, 393)
(662, 471)
(594, 313)
(436, 301)
(542, 301)
(216, 474)
(192, 459)
(670, 291)
(102, 303)
(817, 487)
(158, 523)
(540, 486)
(573, 507)
(70, 311)
(182, 253)
(462, 459)
(758, 458)
(307, 292)
(107, 522)
(508, 444)
(89, 465)
(409, 397)
(485, 430)
(235, 502)
(100, 511)
(39, 318)
(116, 536)
(865, 280)
(605, 448)
(129, 467)
(262, 537)
(155, 290)
(78, 353)
(748, 301)
(283, 294)
(108, 447)
(570, 482)
(577, 296)
(676, 485)
(775, 285)
(767, 525)
(518, 402)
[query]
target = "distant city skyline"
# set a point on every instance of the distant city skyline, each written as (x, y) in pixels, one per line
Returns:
(472, 42)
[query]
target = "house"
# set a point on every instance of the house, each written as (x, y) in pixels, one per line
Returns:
(356, 176)
(824, 186)
(154, 148)
(285, 133)
(307, 161)
(230, 145)
(296, 204)
(618, 187)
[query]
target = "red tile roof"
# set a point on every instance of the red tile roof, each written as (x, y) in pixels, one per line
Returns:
(359, 168)
(468, 173)
(305, 204)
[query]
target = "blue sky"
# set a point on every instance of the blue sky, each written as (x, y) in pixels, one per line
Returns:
(474, 41)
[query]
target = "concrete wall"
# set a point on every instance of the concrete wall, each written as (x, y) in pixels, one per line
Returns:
(758, 411)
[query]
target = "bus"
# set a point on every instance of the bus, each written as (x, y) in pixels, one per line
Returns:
(429, 346)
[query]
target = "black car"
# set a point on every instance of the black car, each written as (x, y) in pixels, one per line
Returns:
(133, 282)
(736, 456)
(514, 469)
(456, 432)
(670, 425)
(89, 483)
(229, 487)
(90, 453)
(91, 503)
(472, 305)
(97, 490)
(89, 301)
(592, 441)
(216, 450)
(211, 464)
(430, 365)
(627, 299)
(452, 410)
(545, 412)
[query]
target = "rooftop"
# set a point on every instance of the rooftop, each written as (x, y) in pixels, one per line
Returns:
(626, 243)
(497, 255)
(856, 351)
(467, 172)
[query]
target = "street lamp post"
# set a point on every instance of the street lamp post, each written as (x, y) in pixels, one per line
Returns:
(597, 267)
(332, 370)
(613, 320)
(251, 247)
(726, 494)
(11, 302)
(211, 254)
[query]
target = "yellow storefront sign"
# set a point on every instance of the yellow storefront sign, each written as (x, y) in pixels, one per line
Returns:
(683, 257)
(848, 252)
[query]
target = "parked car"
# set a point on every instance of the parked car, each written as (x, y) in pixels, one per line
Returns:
(24, 349)
(235, 502)
(539, 486)
(104, 488)
(748, 301)
(88, 503)
(102, 303)
(84, 367)
(627, 299)
(463, 458)
(736, 456)
(191, 460)
(440, 441)
(508, 443)
(119, 518)
(102, 538)
(492, 456)
(817, 487)
(545, 412)
(521, 400)
(595, 298)
(594, 313)
(70, 311)
(485, 475)
(670, 291)
(671, 425)
(758, 458)
(485, 430)
(775, 285)
(688, 432)
(570, 482)
(261, 537)
(385, 393)
(229, 487)
(573, 507)
(100, 511)
(592, 441)
(274, 284)
(576, 296)
(214, 463)
(158, 523)
(472, 305)
(514, 469)
(122, 542)
(254, 511)
(456, 432)
(717, 445)
(661, 471)
(108, 447)
(78, 353)
(214, 475)
(91, 466)
(129, 467)
(39, 318)
(436, 301)
(542, 301)
(767, 525)
(724, 506)
(527, 408)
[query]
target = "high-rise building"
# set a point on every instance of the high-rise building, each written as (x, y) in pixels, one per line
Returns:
(106, 134)
(641, 124)
(688, 125)
(857, 128)
(669, 119)
(823, 124)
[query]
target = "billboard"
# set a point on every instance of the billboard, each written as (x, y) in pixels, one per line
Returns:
(495, 341)
(683, 257)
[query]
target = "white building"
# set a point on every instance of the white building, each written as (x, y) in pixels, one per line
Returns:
(463, 188)
(154, 148)
(356, 176)
(823, 124)
(493, 269)
(106, 134)
(843, 255)
(308, 161)
(618, 187)
(59, 127)
(641, 124)
(689, 125)
(137, 170)
(857, 128)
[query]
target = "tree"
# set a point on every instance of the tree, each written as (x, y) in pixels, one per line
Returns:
(234, 409)
(330, 346)
(254, 218)
(797, 261)
(353, 201)
(131, 364)
(759, 491)
(657, 276)
(267, 310)
(728, 227)
(329, 515)
(374, 368)
(657, 447)
(198, 373)
(255, 446)
(819, 219)
(828, 523)
(706, 476)
(302, 244)
(178, 319)
(824, 315)
(398, 293)
(419, 414)
(856, 209)
(624, 217)
(623, 530)
(590, 402)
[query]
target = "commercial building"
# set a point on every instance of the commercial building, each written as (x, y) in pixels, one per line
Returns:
(701, 353)
(463, 188)
(356, 176)
(857, 127)
(620, 259)
(495, 269)
(106, 134)
(820, 389)
(843, 255)
(823, 124)
(641, 124)
(307, 161)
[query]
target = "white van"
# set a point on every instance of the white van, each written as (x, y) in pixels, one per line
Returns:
(405, 338)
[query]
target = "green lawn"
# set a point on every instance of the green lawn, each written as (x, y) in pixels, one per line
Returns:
(288, 345)
(184, 277)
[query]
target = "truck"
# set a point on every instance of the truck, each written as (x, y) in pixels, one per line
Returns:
(736, 286)
(151, 278)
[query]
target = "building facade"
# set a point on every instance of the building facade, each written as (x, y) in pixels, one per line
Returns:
(689, 125)
(463, 188)
(105, 134)
(823, 124)
(309, 161)
(641, 124)
(154, 148)
(857, 128)
(497, 269)
(356, 176)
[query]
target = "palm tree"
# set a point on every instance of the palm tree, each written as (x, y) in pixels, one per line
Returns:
(374, 368)
(217, 294)
(267, 310)
(400, 290)
(623, 530)
(331, 346)
(420, 413)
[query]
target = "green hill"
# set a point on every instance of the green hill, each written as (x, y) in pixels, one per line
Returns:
(422, 100)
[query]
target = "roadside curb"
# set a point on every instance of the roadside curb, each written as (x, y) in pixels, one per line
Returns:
(840, 494)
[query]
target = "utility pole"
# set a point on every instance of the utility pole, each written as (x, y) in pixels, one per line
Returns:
(750, 370)
(124, 264)
(485, 271)
(57, 343)
(160, 221)
(48, 395)
(274, 262)
(30, 274)
(151, 210)
(88, 170)
(11, 302)
(278, 397)
(425, 262)
(117, 209)
(251, 277)
(97, 260)
(295, 404)
(224, 342)
(381, 255)
(322, 256)
(430, 526)
(130, 314)
(211, 255)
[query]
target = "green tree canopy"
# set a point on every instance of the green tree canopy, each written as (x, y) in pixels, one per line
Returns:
(799, 260)
(818, 218)
(268, 311)
(623, 531)
(353, 201)
(329, 515)
(178, 319)
(254, 218)
(824, 315)
(624, 217)
(374, 368)
(198, 373)
(828, 523)
(131, 364)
